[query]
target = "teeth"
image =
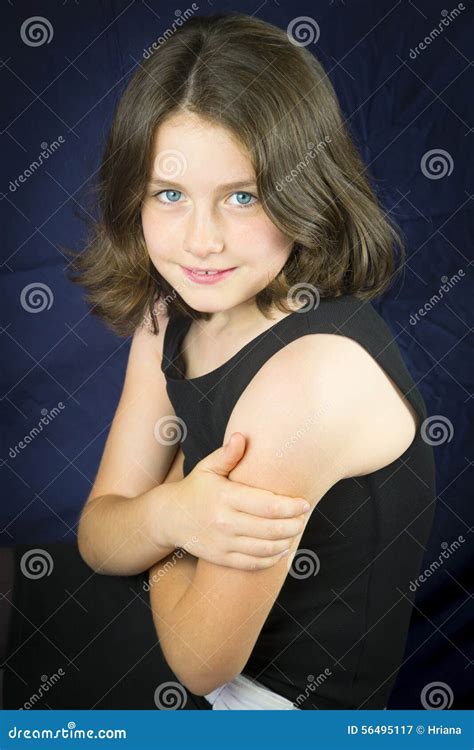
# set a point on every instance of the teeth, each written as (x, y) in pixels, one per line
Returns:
(205, 273)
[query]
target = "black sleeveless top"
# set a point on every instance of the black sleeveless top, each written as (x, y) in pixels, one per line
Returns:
(334, 639)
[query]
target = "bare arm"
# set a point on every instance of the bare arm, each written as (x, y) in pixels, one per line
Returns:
(132, 538)
(119, 529)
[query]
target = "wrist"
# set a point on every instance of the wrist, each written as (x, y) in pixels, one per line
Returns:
(164, 505)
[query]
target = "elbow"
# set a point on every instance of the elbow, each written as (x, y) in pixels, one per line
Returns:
(199, 679)
(202, 682)
(86, 551)
(86, 555)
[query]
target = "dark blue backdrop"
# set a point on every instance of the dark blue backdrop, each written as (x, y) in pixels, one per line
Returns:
(402, 101)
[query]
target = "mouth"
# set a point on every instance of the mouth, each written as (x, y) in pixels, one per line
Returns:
(207, 275)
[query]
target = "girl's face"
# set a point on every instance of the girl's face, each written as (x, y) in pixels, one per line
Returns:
(202, 211)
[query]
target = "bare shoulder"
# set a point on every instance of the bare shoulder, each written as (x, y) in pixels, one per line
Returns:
(144, 338)
(331, 385)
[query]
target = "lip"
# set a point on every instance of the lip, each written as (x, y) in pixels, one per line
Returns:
(210, 279)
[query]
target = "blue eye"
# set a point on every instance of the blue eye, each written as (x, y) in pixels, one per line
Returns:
(245, 205)
(176, 192)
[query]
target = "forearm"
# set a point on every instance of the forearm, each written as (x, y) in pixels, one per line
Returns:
(189, 621)
(169, 580)
(124, 536)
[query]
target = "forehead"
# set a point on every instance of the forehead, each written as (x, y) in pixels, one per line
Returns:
(190, 149)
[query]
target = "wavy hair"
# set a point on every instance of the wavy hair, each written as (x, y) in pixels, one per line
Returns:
(243, 74)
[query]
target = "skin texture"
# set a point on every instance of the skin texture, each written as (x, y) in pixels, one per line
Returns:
(208, 617)
(206, 226)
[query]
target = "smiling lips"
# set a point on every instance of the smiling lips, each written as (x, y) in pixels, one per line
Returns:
(208, 276)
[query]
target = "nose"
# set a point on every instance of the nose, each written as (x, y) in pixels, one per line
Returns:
(203, 236)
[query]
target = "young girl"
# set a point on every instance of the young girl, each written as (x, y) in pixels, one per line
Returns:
(241, 244)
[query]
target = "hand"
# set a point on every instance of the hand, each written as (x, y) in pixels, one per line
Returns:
(229, 523)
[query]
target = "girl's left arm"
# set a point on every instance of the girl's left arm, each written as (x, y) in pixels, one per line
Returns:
(301, 430)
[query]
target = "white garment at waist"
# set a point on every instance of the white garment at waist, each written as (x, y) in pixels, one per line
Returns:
(243, 694)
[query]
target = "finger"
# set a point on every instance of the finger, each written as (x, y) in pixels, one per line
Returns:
(267, 528)
(245, 562)
(261, 547)
(265, 504)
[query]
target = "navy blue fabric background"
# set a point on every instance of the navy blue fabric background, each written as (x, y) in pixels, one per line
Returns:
(398, 107)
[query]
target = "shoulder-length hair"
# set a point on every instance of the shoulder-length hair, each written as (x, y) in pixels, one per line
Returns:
(245, 75)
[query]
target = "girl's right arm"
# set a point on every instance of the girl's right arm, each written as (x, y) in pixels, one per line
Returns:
(118, 532)
(139, 511)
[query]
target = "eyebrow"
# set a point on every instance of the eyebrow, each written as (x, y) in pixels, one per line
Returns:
(224, 186)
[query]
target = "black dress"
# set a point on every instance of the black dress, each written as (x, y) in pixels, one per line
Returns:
(334, 640)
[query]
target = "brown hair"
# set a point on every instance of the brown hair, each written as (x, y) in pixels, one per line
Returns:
(243, 74)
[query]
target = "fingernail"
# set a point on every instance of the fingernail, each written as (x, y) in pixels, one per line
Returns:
(284, 553)
(306, 507)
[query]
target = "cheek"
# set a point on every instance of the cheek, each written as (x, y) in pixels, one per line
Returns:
(274, 246)
(268, 233)
(154, 232)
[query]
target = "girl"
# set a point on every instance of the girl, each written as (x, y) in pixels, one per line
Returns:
(238, 219)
